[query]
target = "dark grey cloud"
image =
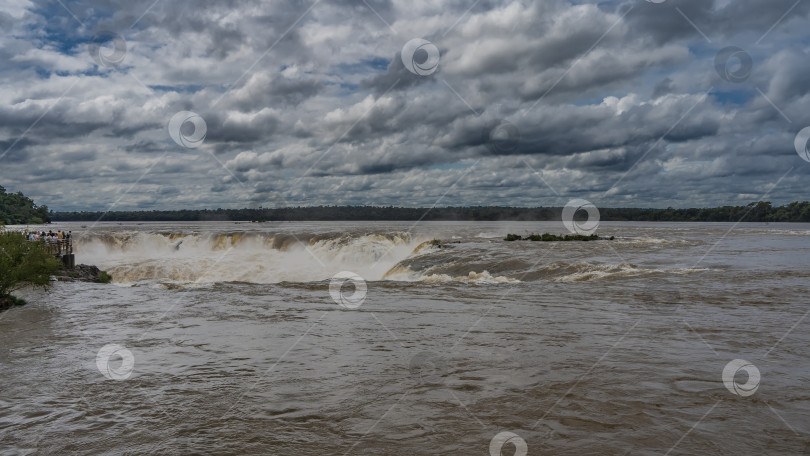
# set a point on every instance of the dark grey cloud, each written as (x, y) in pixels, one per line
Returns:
(718, 20)
(615, 101)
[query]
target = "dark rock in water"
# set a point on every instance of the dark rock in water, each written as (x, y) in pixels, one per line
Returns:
(83, 273)
(546, 237)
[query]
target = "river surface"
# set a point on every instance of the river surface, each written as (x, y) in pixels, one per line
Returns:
(237, 339)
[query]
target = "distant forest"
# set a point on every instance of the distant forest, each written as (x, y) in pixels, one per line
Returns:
(17, 209)
(754, 212)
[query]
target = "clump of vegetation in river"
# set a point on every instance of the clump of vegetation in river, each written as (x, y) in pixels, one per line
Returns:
(23, 262)
(103, 277)
(546, 237)
(441, 244)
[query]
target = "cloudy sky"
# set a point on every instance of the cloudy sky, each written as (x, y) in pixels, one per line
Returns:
(172, 104)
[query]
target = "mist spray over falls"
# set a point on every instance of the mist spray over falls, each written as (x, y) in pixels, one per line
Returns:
(243, 256)
(314, 255)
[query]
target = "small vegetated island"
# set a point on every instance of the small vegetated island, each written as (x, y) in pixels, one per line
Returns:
(546, 237)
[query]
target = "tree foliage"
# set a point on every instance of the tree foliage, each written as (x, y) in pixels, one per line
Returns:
(755, 212)
(17, 209)
(24, 262)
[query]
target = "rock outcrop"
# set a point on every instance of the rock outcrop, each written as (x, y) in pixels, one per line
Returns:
(83, 273)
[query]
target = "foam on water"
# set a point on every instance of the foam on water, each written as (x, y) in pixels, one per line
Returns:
(263, 258)
(242, 257)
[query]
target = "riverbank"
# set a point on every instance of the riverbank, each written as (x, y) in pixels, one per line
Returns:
(762, 211)
(80, 273)
(7, 302)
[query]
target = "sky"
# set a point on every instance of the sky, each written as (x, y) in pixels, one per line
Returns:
(167, 104)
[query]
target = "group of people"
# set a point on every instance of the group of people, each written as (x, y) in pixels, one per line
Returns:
(50, 236)
(58, 241)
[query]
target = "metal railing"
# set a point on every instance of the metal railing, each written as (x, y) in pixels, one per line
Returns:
(59, 247)
(54, 245)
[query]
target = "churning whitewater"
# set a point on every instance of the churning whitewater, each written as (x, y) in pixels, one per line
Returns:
(267, 255)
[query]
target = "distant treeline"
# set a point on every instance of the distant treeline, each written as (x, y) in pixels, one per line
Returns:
(754, 212)
(17, 209)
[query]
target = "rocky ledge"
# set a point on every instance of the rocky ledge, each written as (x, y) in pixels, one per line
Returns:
(83, 273)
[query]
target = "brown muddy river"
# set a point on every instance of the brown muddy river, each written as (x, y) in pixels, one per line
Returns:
(236, 339)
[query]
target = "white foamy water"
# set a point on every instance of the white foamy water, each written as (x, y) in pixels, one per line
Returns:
(252, 256)
(227, 341)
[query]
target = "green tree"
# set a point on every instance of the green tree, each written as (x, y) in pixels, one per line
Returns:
(17, 209)
(23, 262)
